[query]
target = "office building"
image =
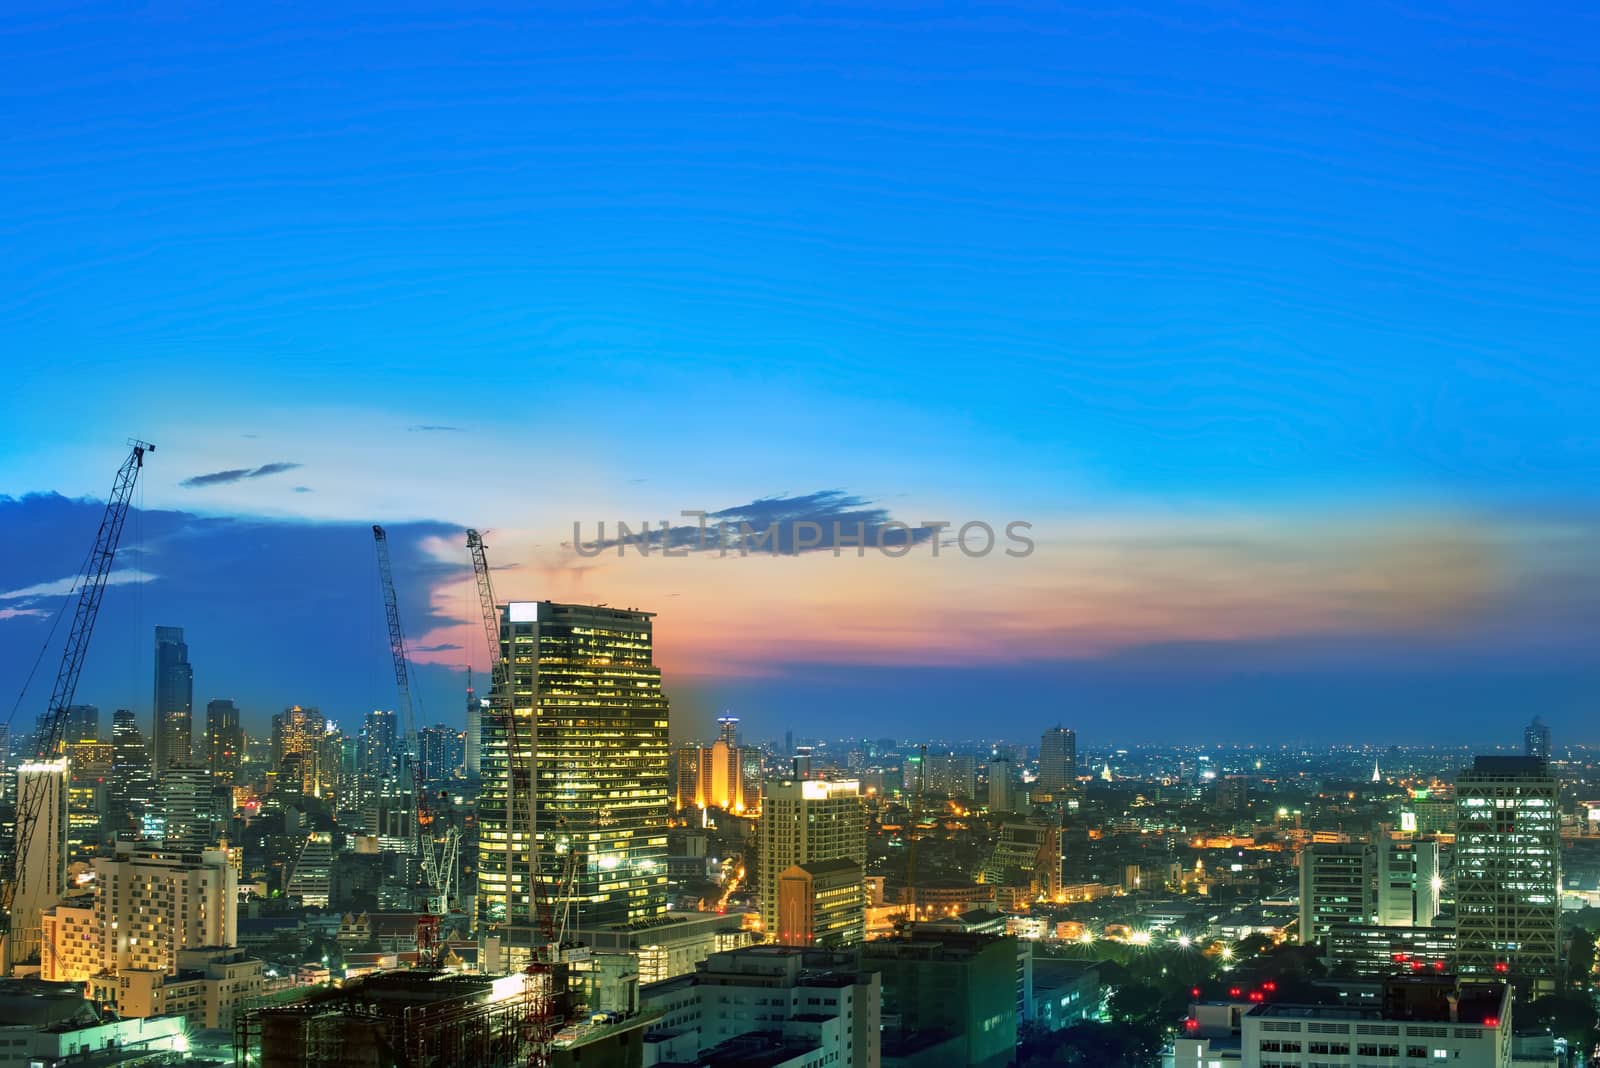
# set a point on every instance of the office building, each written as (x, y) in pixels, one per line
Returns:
(442, 752)
(1408, 882)
(822, 903)
(132, 781)
(1508, 872)
(224, 742)
(949, 997)
(1026, 860)
(1058, 760)
(1371, 951)
(42, 860)
(941, 775)
(380, 744)
(1419, 1021)
(1536, 740)
(1335, 887)
(473, 743)
(187, 808)
(1002, 785)
(89, 765)
(298, 752)
(173, 729)
(671, 945)
(685, 777)
(768, 1005)
(583, 682)
(806, 821)
(83, 724)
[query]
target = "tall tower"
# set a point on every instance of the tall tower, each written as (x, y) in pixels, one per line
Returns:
(586, 698)
(224, 742)
(42, 869)
(83, 724)
(132, 786)
(1508, 872)
(1058, 760)
(804, 822)
(174, 700)
(1536, 739)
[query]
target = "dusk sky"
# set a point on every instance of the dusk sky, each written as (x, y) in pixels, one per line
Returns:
(1277, 323)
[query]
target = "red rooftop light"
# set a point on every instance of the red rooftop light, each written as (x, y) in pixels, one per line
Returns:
(1191, 1024)
(1501, 966)
(1491, 1021)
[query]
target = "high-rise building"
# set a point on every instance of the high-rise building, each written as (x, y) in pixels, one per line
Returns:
(1335, 887)
(132, 784)
(728, 730)
(224, 742)
(473, 761)
(1408, 883)
(1508, 872)
(442, 753)
(380, 744)
(586, 698)
(89, 764)
(1058, 760)
(172, 736)
(298, 735)
(1002, 786)
(822, 904)
(803, 822)
(187, 812)
(42, 860)
(154, 903)
(686, 777)
(942, 775)
(83, 724)
(720, 782)
(1026, 861)
(1536, 739)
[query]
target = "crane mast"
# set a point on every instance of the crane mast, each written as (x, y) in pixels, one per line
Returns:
(438, 889)
(52, 726)
(500, 705)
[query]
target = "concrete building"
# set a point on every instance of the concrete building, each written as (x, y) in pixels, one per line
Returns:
(1536, 740)
(89, 764)
(1026, 859)
(821, 903)
(224, 742)
(1371, 951)
(187, 809)
(1335, 887)
(1508, 872)
(805, 821)
(948, 997)
(1408, 882)
(1002, 785)
(42, 860)
(670, 945)
(132, 782)
(1420, 1021)
(51, 1024)
(781, 1004)
(206, 988)
(1058, 760)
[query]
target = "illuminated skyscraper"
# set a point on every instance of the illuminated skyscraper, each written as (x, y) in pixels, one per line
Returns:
(132, 784)
(298, 736)
(224, 742)
(1508, 871)
(173, 734)
(1536, 739)
(1058, 760)
(803, 822)
(586, 697)
(42, 866)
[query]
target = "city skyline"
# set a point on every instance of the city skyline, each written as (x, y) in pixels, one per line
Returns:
(1287, 368)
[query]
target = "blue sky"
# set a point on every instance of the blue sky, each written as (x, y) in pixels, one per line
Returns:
(1276, 320)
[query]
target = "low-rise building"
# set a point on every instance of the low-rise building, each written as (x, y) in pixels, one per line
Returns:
(806, 1007)
(952, 983)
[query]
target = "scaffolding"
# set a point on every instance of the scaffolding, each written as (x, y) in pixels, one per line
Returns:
(411, 1019)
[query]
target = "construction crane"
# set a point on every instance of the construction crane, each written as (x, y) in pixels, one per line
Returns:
(434, 875)
(544, 1014)
(31, 797)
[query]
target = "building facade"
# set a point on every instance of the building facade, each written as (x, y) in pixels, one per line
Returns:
(1508, 872)
(806, 821)
(586, 698)
(172, 732)
(224, 742)
(822, 904)
(1058, 760)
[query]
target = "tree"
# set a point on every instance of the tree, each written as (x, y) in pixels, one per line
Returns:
(1580, 960)
(1570, 1017)
(1138, 1005)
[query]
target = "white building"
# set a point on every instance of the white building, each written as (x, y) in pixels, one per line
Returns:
(788, 1006)
(1422, 1022)
(42, 860)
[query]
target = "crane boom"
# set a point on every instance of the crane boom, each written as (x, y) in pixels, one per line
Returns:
(48, 736)
(431, 874)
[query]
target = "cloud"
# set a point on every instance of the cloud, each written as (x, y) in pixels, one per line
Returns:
(438, 647)
(302, 489)
(236, 474)
(22, 613)
(433, 428)
(63, 586)
(813, 522)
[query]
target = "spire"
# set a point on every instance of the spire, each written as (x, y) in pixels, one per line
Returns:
(1376, 777)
